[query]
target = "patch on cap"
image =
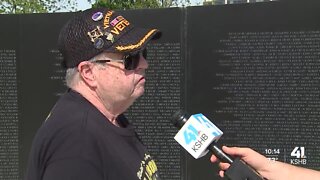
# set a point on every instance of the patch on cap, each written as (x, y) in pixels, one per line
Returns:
(112, 28)
(109, 37)
(97, 16)
(98, 43)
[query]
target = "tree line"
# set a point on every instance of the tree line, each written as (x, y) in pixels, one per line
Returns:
(45, 6)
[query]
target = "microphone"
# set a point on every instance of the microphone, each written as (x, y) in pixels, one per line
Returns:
(198, 135)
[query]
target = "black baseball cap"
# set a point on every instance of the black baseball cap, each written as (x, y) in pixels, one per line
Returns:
(93, 31)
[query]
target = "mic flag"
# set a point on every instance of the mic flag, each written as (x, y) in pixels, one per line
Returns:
(197, 133)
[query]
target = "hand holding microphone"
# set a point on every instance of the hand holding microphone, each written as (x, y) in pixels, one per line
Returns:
(198, 135)
(259, 162)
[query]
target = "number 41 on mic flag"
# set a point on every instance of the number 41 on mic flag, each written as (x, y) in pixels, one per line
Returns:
(197, 134)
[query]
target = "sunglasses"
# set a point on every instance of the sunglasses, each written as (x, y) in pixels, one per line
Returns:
(130, 61)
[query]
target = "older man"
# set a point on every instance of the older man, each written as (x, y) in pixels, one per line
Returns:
(86, 136)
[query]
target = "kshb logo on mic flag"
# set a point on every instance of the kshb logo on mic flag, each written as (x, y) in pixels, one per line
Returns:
(197, 134)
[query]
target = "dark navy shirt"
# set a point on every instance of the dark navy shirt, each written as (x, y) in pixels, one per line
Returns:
(77, 142)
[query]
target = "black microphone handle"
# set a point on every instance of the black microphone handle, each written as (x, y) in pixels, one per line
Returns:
(219, 153)
(238, 170)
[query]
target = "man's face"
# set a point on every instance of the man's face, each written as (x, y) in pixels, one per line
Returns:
(117, 84)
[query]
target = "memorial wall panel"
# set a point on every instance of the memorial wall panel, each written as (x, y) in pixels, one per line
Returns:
(255, 73)
(9, 111)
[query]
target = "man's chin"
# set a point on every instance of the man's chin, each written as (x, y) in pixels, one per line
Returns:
(138, 92)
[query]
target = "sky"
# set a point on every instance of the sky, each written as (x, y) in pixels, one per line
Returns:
(84, 4)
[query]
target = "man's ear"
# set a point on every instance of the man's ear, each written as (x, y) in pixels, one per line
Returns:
(86, 72)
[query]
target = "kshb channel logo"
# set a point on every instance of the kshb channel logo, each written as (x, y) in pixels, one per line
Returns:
(197, 134)
(298, 156)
